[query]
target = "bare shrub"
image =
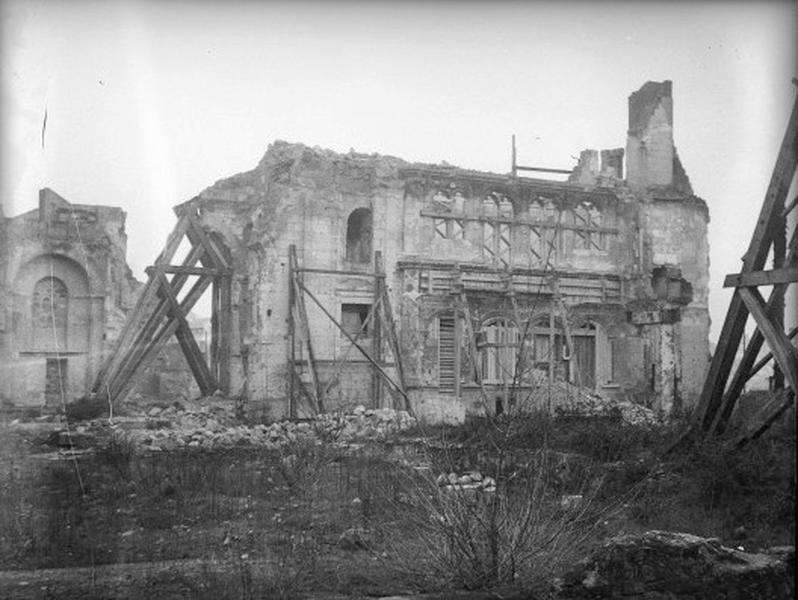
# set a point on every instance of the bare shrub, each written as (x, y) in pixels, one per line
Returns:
(521, 534)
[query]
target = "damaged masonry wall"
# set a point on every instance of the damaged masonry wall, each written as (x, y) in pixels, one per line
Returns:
(66, 290)
(65, 293)
(608, 274)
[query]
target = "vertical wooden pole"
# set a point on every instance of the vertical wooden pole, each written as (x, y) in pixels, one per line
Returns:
(215, 327)
(552, 340)
(225, 330)
(299, 286)
(376, 380)
(393, 340)
(291, 335)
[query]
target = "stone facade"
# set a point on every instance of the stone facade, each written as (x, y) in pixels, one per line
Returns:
(66, 289)
(608, 274)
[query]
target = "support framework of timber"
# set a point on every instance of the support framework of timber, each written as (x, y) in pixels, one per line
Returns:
(159, 314)
(380, 319)
(770, 234)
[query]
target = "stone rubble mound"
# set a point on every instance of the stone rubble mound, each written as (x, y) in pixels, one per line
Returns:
(666, 565)
(567, 400)
(212, 426)
(472, 480)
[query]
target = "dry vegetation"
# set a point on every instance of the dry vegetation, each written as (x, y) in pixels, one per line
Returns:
(269, 524)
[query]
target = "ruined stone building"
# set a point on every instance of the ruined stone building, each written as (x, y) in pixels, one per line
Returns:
(66, 288)
(494, 285)
(65, 293)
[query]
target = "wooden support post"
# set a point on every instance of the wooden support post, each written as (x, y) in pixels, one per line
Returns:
(305, 330)
(386, 312)
(225, 319)
(520, 361)
(715, 384)
(376, 385)
(293, 376)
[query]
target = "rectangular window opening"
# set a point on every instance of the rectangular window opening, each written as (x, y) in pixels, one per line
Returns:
(354, 319)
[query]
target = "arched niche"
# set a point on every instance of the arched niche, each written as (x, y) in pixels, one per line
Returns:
(359, 236)
(58, 285)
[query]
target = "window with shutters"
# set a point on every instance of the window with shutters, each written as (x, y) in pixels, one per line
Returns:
(552, 354)
(500, 343)
(447, 367)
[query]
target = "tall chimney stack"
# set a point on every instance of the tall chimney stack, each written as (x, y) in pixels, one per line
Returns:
(649, 142)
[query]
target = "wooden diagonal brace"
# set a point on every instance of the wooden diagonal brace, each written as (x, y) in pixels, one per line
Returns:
(185, 338)
(745, 370)
(360, 348)
(198, 236)
(754, 260)
(131, 335)
(124, 382)
(128, 355)
(778, 341)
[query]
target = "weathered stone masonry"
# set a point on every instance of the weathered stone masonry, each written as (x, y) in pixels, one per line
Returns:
(65, 289)
(608, 272)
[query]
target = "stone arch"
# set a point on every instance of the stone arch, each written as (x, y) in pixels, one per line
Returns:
(52, 281)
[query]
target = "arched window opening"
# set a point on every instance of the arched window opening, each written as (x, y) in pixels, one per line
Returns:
(49, 314)
(358, 236)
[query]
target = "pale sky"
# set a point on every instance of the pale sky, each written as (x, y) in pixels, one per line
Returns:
(148, 103)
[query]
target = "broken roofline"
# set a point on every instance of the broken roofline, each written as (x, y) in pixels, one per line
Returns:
(482, 182)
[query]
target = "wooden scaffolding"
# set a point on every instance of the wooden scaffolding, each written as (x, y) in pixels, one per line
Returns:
(161, 312)
(722, 388)
(384, 337)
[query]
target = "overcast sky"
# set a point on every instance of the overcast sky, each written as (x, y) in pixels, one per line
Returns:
(149, 103)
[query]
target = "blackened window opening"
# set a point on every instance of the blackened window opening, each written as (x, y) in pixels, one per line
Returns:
(358, 236)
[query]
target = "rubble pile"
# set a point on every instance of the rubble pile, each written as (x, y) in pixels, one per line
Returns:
(662, 565)
(565, 399)
(473, 480)
(215, 426)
